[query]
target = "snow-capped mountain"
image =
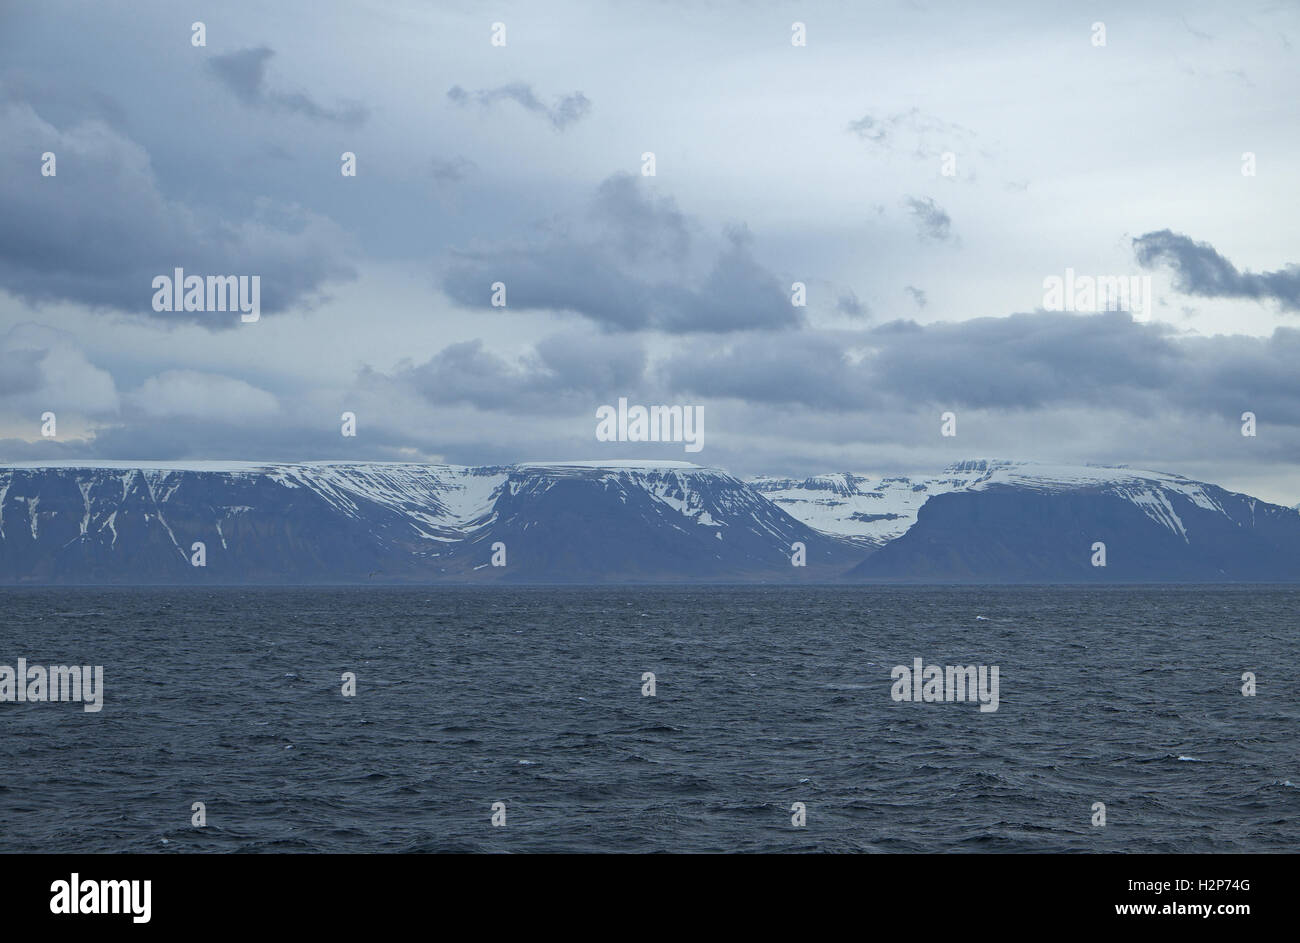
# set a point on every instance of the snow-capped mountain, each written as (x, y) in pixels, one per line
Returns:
(1024, 521)
(128, 522)
(642, 521)
(133, 522)
(113, 522)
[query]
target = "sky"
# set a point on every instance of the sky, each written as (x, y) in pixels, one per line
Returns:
(922, 169)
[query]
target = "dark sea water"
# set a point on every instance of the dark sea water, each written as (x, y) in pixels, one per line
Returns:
(765, 697)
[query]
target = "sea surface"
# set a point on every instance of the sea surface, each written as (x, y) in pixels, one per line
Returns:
(765, 697)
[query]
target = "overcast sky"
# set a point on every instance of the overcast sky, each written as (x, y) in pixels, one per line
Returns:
(774, 163)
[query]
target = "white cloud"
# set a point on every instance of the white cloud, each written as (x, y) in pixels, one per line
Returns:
(209, 396)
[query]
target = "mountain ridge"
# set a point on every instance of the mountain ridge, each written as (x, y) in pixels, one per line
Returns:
(92, 521)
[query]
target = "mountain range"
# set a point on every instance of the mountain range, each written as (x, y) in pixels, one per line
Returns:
(591, 522)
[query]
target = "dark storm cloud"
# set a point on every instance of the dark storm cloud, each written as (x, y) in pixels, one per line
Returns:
(932, 222)
(1021, 362)
(567, 365)
(602, 275)
(1200, 270)
(566, 110)
(244, 73)
(101, 230)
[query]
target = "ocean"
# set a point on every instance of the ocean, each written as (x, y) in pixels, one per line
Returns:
(527, 705)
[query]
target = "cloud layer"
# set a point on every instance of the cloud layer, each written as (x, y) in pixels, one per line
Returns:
(822, 165)
(100, 229)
